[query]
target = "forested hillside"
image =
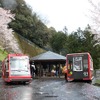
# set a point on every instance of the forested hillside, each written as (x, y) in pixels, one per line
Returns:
(27, 24)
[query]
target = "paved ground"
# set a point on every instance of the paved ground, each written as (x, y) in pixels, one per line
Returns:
(49, 89)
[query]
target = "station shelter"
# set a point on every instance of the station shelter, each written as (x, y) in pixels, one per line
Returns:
(48, 64)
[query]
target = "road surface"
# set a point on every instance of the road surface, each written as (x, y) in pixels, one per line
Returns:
(49, 89)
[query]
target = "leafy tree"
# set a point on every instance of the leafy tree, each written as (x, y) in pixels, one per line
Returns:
(28, 24)
(92, 46)
(23, 20)
(41, 34)
(57, 41)
(83, 41)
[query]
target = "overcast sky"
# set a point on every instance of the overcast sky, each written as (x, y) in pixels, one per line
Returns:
(60, 13)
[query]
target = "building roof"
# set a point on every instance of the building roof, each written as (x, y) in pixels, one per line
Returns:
(48, 56)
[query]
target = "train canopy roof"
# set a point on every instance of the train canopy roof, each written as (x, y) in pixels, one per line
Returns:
(49, 56)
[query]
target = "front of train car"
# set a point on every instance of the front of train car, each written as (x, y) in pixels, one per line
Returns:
(19, 68)
(79, 66)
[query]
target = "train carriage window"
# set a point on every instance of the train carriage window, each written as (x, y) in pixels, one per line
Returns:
(85, 62)
(19, 63)
(77, 64)
(6, 64)
(70, 64)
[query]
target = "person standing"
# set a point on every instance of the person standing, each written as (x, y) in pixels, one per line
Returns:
(64, 71)
(33, 69)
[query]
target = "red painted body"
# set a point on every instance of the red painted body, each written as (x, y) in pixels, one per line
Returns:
(16, 68)
(79, 67)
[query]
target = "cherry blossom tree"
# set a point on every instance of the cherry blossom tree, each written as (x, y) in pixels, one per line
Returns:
(7, 39)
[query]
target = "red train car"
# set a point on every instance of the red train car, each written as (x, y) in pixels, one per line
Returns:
(79, 67)
(16, 68)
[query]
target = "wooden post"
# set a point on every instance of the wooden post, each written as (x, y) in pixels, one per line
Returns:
(59, 70)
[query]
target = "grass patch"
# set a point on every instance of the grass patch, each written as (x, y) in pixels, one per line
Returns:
(98, 81)
(3, 54)
(28, 47)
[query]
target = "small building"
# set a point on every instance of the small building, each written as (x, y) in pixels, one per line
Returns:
(48, 61)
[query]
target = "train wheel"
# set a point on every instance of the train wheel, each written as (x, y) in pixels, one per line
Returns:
(26, 83)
